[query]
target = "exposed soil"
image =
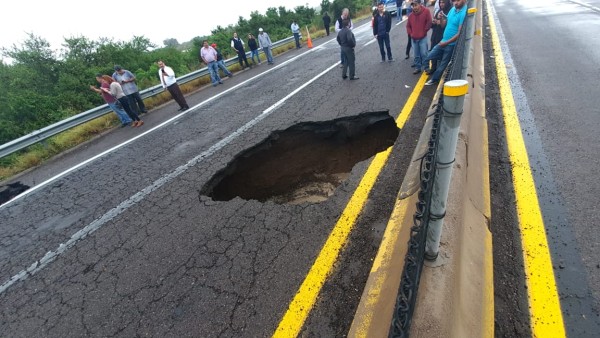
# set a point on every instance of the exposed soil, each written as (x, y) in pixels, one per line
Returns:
(306, 162)
(510, 293)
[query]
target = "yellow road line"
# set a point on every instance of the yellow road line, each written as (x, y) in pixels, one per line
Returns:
(544, 304)
(305, 298)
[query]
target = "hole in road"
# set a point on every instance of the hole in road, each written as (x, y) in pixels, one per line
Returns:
(9, 191)
(304, 163)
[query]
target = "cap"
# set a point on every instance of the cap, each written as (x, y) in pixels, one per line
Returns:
(213, 45)
(117, 67)
(260, 29)
(415, 2)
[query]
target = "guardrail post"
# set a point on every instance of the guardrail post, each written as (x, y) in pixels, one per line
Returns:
(469, 31)
(454, 96)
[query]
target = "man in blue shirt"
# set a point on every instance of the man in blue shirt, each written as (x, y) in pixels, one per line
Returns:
(444, 49)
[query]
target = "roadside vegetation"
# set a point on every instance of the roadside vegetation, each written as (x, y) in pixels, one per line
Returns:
(41, 86)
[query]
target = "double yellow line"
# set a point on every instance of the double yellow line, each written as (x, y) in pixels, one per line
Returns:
(544, 305)
(305, 298)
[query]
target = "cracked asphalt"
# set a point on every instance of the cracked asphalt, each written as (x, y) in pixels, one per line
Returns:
(137, 251)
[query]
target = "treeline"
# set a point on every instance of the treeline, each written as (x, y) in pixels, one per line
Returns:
(42, 86)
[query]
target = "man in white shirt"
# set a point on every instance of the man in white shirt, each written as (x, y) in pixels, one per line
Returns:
(168, 80)
(339, 26)
(238, 45)
(296, 31)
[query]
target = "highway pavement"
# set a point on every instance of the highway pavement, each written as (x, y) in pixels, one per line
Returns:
(116, 239)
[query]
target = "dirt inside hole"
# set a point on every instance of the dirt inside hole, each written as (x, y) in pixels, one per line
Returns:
(304, 163)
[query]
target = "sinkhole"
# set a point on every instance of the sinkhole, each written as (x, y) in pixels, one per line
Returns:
(11, 190)
(304, 163)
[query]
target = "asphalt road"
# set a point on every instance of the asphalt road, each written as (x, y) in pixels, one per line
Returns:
(125, 245)
(553, 63)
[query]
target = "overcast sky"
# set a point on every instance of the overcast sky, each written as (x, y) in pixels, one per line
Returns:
(121, 20)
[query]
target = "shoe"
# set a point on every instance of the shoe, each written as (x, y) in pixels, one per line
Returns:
(344, 77)
(342, 65)
(430, 82)
(220, 82)
(259, 63)
(406, 57)
(391, 60)
(185, 108)
(229, 75)
(355, 78)
(429, 71)
(140, 123)
(416, 71)
(382, 61)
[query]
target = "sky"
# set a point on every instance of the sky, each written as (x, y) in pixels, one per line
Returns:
(155, 20)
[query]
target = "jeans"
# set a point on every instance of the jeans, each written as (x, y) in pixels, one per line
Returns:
(437, 53)
(121, 114)
(420, 51)
(125, 103)
(221, 65)
(137, 103)
(254, 53)
(381, 39)
(297, 38)
(268, 54)
(213, 69)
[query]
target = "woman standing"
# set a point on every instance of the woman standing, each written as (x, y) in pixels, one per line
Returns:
(116, 91)
(253, 49)
(110, 100)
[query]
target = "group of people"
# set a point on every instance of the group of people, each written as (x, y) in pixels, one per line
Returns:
(122, 95)
(445, 23)
(120, 91)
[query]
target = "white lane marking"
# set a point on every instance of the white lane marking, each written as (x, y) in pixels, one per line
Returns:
(586, 5)
(139, 196)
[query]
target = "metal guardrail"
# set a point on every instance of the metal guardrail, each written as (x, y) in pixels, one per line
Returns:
(73, 121)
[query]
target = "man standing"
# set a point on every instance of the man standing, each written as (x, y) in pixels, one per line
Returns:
(399, 9)
(444, 49)
(296, 31)
(220, 61)
(209, 56)
(127, 80)
(419, 23)
(264, 41)
(347, 42)
(238, 45)
(168, 80)
(339, 26)
(382, 24)
(326, 22)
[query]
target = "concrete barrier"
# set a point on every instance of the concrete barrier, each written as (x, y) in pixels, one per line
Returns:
(456, 297)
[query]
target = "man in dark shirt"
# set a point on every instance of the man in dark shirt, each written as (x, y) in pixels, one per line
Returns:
(326, 22)
(382, 24)
(347, 41)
